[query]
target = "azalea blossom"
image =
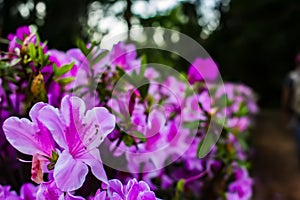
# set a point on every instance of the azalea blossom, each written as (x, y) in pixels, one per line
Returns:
(79, 133)
(31, 138)
(132, 191)
(203, 70)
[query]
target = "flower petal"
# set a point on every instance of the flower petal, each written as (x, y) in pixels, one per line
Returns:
(72, 197)
(50, 118)
(115, 187)
(98, 123)
(21, 134)
(69, 174)
(49, 190)
(156, 121)
(94, 161)
(72, 108)
(33, 113)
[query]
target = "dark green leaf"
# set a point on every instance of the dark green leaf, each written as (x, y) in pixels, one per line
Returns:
(63, 69)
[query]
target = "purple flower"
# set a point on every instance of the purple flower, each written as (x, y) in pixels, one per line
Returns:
(31, 138)
(49, 190)
(28, 191)
(134, 190)
(242, 185)
(21, 33)
(100, 195)
(124, 56)
(5, 193)
(79, 133)
(202, 70)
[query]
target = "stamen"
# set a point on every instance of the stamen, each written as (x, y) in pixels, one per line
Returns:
(24, 161)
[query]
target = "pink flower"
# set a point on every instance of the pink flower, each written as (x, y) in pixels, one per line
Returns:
(202, 70)
(49, 190)
(124, 56)
(241, 187)
(21, 33)
(79, 133)
(5, 193)
(31, 138)
(134, 190)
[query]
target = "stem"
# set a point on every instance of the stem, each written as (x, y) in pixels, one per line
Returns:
(193, 178)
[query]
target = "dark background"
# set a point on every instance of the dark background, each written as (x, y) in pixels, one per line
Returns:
(255, 42)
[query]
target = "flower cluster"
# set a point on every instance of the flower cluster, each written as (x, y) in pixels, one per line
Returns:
(153, 128)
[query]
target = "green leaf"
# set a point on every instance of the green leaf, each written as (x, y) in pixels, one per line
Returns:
(32, 51)
(143, 65)
(15, 61)
(243, 110)
(4, 41)
(179, 189)
(4, 65)
(99, 57)
(82, 46)
(143, 90)
(191, 125)
(205, 145)
(128, 140)
(139, 135)
(51, 166)
(20, 42)
(54, 156)
(63, 69)
(38, 39)
(120, 71)
(65, 81)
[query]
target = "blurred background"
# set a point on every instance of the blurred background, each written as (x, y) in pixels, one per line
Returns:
(253, 42)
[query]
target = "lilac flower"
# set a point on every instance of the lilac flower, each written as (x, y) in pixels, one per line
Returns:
(134, 190)
(79, 134)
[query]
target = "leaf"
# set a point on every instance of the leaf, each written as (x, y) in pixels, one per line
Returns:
(243, 110)
(4, 65)
(20, 42)
(65, 81)
(139, 135)
(82, 46)
(143, 65)
(15, 61)
(63, 69)
(54, 156)
(191, 125)
(206, 145)
(99, 57)
(143, 90)
(32, 51)
(179, 189)
(128, 140)
(4, 41)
